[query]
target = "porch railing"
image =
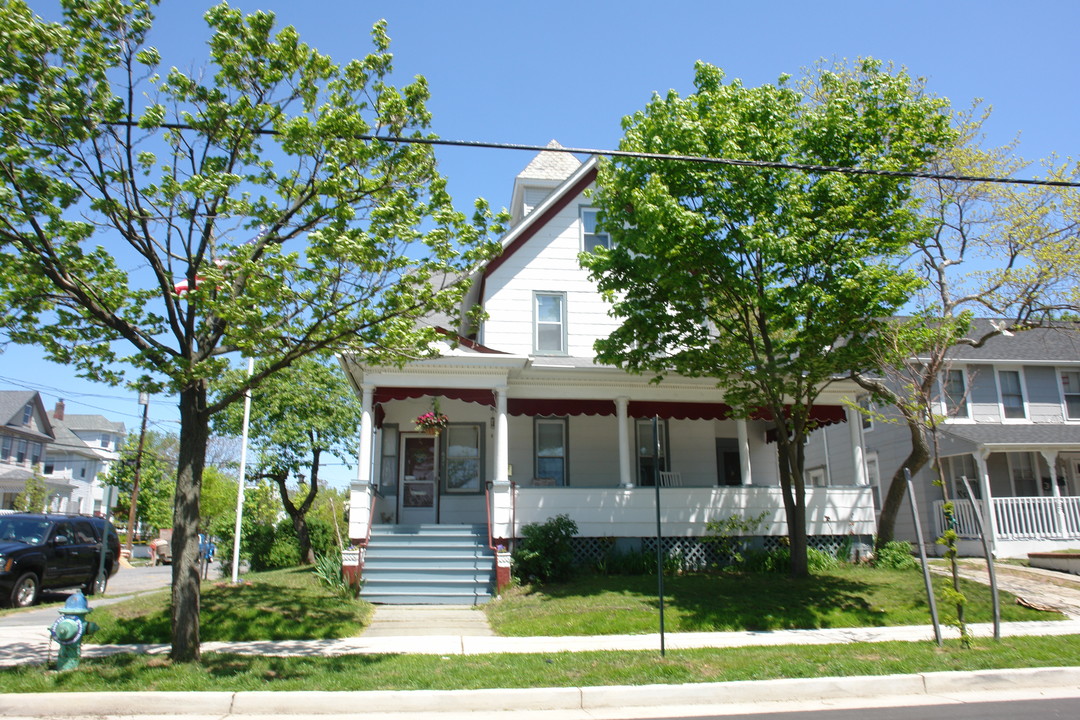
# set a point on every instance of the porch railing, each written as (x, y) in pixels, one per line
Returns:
(1019, 518)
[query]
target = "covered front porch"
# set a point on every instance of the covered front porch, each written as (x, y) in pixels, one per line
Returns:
(525, 443)
(1026, 482)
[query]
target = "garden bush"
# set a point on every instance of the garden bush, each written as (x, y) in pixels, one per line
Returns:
(895, 555)
(545, 552)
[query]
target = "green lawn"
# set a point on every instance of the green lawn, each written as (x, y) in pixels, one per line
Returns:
(125, 673)
(279, 605)
(849, 596)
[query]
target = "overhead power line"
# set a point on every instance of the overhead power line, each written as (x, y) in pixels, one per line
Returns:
(702, 159)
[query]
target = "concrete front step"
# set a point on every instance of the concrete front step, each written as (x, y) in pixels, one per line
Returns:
(428, 564)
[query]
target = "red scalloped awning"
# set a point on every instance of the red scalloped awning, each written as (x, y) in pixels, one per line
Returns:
(823, 414)
(679, 410)
(544, 406)
(473, 395)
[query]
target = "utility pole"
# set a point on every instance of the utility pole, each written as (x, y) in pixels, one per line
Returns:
(144, 400)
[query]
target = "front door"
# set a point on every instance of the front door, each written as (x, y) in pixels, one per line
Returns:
(419, 479)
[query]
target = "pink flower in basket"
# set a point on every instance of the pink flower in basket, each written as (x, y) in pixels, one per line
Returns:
(431, 422)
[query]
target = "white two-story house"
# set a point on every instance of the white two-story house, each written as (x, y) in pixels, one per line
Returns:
(1011, 426)
(25, 433)
(86, 446)
(537, 428)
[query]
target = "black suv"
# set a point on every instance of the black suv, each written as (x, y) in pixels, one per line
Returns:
(54, 552)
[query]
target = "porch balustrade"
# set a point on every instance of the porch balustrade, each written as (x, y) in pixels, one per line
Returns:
(631, 512)
(1019, 518)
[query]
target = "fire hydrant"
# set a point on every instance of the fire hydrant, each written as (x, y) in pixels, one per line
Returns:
(70, 629)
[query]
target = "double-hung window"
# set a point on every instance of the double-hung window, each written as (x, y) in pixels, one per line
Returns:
(955, 394)
(591, 236)
(1012, 395)
(28, 414)
(551, 460)
(549, 323)
(1070, 386)
(648, 464)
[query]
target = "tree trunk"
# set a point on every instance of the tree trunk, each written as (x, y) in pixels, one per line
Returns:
(794, 493)
(894, 498)
(194, 433)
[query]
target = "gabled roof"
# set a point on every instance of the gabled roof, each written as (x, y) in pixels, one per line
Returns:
(548, 165)
(562, 196)
(1041, 345)
(91, 423)
(12, 403)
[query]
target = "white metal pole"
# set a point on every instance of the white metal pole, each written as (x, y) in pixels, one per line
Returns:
(243, 473)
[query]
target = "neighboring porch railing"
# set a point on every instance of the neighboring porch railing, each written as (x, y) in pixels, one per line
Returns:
(1018, 518)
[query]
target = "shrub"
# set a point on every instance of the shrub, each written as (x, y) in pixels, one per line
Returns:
(329, 572)
(545, 552)
(895, 555)
(779, 561)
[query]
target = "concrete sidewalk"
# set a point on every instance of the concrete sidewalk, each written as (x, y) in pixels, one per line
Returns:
(448, 631)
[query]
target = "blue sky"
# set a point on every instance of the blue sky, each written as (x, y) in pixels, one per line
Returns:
(529, 72)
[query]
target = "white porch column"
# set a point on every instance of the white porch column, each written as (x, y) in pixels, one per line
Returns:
(1050, 456)
(989, 516)
(621, 405)
(361, 496)
(858, 452)
(502, 440)
(367, 435)
(744, 451)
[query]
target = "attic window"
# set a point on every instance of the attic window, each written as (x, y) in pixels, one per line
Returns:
(27, 414)
(591, 238)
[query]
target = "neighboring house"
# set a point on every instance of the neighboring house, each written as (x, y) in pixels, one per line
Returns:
(1012, 428)
(85, 448)
(537, 428)
(25, 433)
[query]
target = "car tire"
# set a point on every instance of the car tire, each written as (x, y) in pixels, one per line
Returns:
(97, 585)
(25, 591)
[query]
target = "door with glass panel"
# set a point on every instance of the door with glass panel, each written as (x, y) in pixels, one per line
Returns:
(419, 494)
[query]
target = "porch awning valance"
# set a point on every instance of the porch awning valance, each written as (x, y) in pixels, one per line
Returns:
(473, 395)
(546, 406)
(679, 410)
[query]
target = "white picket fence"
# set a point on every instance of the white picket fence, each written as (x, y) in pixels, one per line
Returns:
(1018, 518)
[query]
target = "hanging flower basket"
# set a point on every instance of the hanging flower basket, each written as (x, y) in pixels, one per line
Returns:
(431, 423)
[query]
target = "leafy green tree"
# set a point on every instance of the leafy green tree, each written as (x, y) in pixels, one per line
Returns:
(297, 416)
(771, 280)
(167, 221)
(35, 494)
(217, 501)
(1007, 251)
(157, 479)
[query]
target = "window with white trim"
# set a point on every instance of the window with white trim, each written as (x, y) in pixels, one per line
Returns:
(866, 412)
(5, 448)
(28, 414)
(954, 394)
(1022, 472)
(591, 237)
(549, 323)
(963, 466)
(1012, 395)
(646, 451)
(550, 436)
(1070, 388)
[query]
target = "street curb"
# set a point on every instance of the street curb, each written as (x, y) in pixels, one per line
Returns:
(491, 700)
